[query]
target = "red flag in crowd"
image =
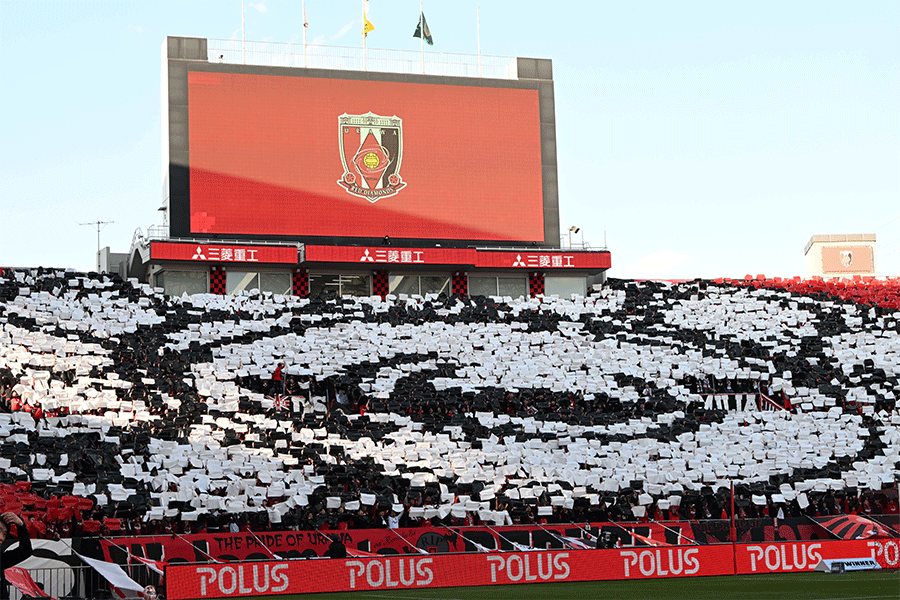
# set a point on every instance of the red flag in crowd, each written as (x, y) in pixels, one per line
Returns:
(24, 583)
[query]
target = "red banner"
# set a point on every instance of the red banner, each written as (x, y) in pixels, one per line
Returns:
(22, 580)
(223, 253)
(804, 556)
(412, 571)
(305, 544)
(541, 260)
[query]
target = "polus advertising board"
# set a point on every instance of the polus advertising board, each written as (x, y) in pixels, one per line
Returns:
(388, 573)
(406, 571)
(785, 557)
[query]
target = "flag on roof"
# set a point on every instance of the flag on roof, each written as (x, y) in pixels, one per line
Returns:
(367, 25)
(422, 30)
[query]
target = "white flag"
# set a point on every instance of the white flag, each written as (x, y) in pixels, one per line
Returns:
(113, 573)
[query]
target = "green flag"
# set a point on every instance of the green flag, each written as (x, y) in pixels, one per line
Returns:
(422, 30)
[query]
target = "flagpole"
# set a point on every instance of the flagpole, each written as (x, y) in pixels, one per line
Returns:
(422, 37)
(305, 25)
(413, 546)
(733, 532)
(365, 33)
(243, 51)
(478, 29)
(260, 542)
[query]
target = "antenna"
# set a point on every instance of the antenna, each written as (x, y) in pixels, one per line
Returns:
(98, 225)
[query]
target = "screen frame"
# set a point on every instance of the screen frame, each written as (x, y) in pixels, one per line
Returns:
(177, 147)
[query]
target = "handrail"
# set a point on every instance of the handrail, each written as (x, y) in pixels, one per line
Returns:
(315, 56)
(208, 241)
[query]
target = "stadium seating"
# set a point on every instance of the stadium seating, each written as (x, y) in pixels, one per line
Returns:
(125, 406)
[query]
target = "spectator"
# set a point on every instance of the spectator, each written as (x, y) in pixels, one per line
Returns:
(8, 557)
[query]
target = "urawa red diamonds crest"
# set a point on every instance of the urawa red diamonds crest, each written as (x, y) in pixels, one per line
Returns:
(371, 149)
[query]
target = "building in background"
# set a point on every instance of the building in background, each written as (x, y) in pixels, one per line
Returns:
(842, 255)
(366, 174)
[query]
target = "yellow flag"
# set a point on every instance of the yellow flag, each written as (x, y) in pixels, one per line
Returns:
(367, 26)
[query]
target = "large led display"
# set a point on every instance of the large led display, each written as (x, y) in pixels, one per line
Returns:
(298, 156)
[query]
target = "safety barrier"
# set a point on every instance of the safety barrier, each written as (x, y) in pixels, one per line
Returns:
(67, 582)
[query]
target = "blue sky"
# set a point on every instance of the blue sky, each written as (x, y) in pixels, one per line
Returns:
(705, 138)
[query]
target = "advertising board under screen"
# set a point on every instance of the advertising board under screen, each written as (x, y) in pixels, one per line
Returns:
(315, 156)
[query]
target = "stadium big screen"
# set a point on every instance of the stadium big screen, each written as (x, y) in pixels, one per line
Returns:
(348, 156)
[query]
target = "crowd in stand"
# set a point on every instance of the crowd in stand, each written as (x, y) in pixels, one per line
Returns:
(68, 434)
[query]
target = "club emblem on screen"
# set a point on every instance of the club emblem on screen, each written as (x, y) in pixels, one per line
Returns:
(846, 258)
(371, 149)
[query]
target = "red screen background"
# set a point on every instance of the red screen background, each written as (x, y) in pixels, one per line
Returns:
(265, 159)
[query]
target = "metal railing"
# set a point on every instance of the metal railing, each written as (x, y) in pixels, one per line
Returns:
(313, 56)
(82, 581)
(67, 582)
(157, 232)
(161, 233)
